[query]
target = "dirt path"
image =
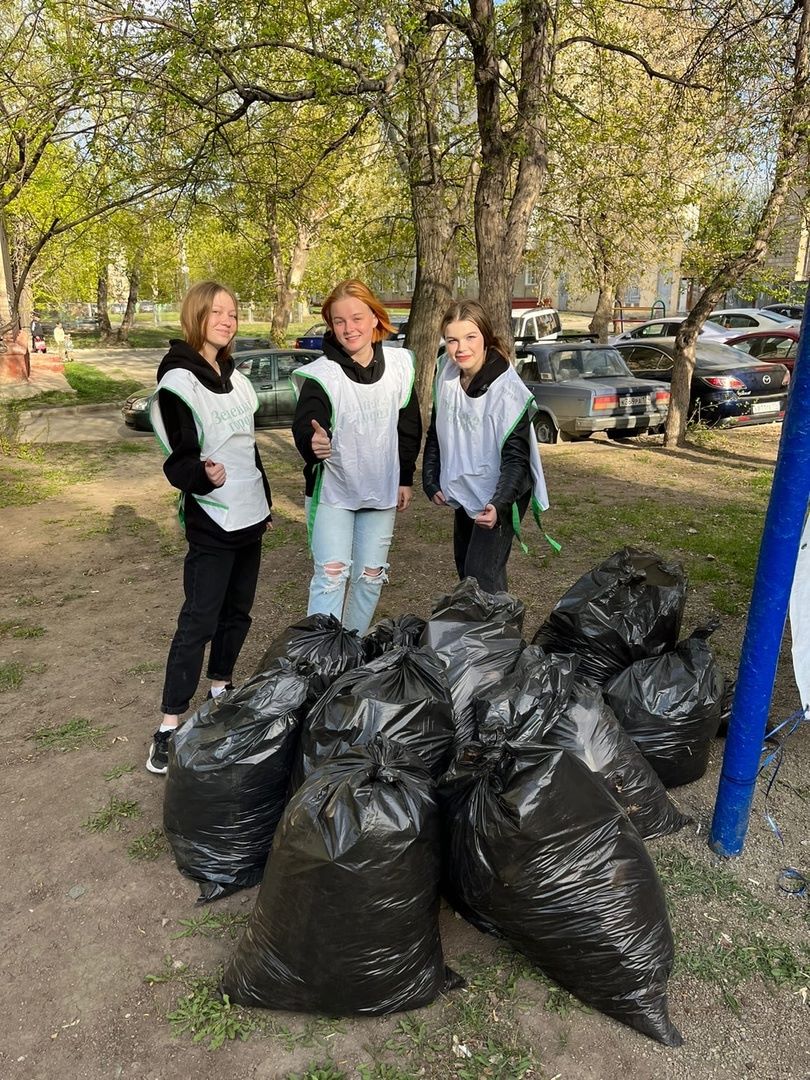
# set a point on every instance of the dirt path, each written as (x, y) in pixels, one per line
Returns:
(90, 592)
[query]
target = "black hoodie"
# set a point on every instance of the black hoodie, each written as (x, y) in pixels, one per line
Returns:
(313, 404)
(183, 467)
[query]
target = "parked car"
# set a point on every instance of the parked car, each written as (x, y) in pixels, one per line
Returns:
(313, 338)
(268, 369)
(790, 311)
(727, 388)
(247, 344)
(534, 324)
(751, 319)
(772, 345)
(665, 329)
(586, 387)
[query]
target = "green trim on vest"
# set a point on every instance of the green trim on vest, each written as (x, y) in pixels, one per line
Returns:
(313, 502)
(305, 375)
(529, 403)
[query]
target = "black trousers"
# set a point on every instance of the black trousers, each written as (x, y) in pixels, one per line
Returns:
(484, 553)
(220, 585)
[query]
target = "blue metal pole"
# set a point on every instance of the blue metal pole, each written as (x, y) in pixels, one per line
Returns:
(773, 579)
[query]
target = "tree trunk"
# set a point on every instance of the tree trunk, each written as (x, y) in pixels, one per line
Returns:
(101, 303)
(134, 277)
(602, 320)
(789, 166)
(436, 265)
(289, 280)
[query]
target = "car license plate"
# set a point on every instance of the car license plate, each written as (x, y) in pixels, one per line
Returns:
(640, 399)
(765, 406)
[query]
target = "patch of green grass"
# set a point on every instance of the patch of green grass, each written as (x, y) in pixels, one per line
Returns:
(276, 537)
(113, 815)
(381, 1071)
(28, 631)
(11, 675)
(684, 877)
(72, 735)
(733, 958)
(172, 969)
(31, 472)
(212, 924)
(209, 1017)
(28, 600)
(117, 771)
(323, 1071)
(148, 846)
(148, 667)
(37, 669)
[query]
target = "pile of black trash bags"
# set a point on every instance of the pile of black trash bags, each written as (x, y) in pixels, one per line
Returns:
(360, 779)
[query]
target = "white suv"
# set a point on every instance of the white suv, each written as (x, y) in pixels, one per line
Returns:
(534, 324)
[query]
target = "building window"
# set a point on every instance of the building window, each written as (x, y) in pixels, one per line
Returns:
(533, 275)
(632, 295)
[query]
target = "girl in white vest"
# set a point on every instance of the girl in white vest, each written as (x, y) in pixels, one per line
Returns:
(481, 457)
(202, 414)
(358, 428)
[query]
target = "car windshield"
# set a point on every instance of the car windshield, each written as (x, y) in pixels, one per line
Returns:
(588, 364)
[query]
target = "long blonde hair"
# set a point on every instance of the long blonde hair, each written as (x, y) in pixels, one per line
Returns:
(197, 305)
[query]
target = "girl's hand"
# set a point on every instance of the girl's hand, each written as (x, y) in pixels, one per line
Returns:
(439, 499)
(321, 443)
(488, 518)
(404, 498)
(215, 472)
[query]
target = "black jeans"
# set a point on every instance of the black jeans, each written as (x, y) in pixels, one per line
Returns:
(220, 585)
(484, 553)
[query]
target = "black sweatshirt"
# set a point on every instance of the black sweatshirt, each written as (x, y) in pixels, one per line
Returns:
(184, 468)
(313, 404)
(515, 478)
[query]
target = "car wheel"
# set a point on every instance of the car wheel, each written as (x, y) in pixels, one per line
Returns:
(545, 429)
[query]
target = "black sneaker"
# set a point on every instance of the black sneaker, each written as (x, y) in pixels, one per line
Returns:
(158, 760)
(210, 695)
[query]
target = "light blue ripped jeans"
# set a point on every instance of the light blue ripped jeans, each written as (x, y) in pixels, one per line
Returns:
(358, 542)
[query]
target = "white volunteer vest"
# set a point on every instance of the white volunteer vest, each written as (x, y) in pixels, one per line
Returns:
(362, 472)
(225, 430)
(471, 433)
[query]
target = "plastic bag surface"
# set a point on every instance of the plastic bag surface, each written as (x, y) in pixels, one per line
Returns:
(628, 607)
(540, 853)
(323, 642)
(347, 917)
(229, 770)
(526, 703)
(403, 694)
(392, 633)
(588, 728)
(670, 705)
(477, 635)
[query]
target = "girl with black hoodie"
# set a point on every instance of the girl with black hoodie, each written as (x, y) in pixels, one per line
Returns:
(481, 457)
(202, 415)
(358, 428)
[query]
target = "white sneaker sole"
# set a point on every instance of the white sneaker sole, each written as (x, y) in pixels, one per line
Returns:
(153, 768)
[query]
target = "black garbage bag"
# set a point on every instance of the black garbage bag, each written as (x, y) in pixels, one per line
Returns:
(390, 633)
(588, 728)
(670, 705)
(323, 642)
(725, 705)
(538, 852)
(477, 635)
(526, 703)
(347, 917)
(628, 607)
(229, 771)
(403, 694)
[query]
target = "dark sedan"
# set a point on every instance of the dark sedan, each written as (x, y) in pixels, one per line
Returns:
(581, 388)
(268, 369)
(727, 388)
(772, 345)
